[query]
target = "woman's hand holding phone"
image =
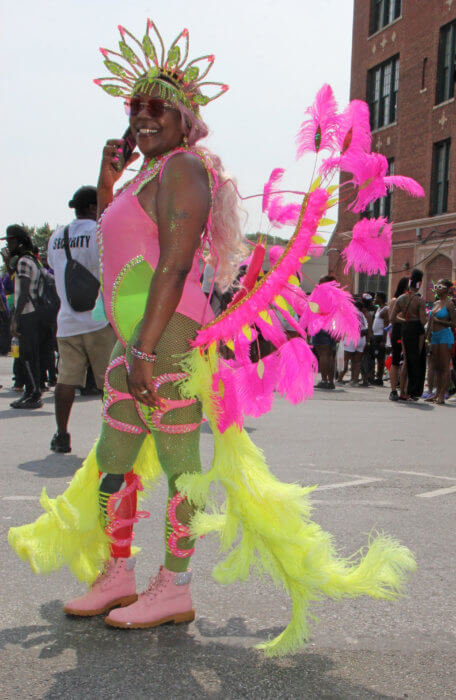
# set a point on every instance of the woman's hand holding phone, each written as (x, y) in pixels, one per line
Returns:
(109, 171)
(114, 153)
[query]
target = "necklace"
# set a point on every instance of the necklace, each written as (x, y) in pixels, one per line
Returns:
(147, 172)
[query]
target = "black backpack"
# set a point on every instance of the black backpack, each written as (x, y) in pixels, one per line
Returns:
(47, 302)
(5, 339)
(80, 285)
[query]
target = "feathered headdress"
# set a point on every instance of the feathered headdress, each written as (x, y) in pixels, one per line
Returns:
(143, 70)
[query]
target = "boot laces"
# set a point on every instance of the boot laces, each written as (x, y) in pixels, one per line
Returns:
(107, 574)
(156, 586)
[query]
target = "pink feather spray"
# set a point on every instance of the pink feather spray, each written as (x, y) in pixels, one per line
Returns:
(296, 372)
(369, 247)
(246, 313)
(352, 135)
(337, 314)
(318, 132)
(279, 214)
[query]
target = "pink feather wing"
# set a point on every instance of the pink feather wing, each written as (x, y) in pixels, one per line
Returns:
(227, 325)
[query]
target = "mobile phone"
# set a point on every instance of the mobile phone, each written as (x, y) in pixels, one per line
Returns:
(128, 146)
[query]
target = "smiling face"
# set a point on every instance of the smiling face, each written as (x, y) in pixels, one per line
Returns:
(441, 289)
(155, 133)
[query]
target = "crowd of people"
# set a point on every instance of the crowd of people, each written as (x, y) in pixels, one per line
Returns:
(54, 344)
(401, 341)
(406, 338)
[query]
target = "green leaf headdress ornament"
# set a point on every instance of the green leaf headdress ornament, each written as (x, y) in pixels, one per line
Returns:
(142, 69)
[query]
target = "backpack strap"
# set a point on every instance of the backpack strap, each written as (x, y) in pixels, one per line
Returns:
(66, 243)
(412, 296)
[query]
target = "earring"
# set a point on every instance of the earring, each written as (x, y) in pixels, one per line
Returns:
(185, 142)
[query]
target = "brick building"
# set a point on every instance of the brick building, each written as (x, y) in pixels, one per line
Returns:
(403, 65)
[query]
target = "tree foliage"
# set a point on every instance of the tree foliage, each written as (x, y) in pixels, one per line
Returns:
(40, 236)
(267, 239)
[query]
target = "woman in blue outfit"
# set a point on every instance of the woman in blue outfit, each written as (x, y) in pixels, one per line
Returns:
(443, 321)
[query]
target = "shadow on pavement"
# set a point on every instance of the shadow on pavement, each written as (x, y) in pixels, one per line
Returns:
(53, 466)
(169, 662)
(15, 412)
(414, 405)
(206, 428)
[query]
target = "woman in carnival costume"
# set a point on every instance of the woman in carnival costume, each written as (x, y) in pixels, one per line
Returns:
(167, 369)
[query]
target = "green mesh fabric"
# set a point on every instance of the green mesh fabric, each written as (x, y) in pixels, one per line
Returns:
(117, 451)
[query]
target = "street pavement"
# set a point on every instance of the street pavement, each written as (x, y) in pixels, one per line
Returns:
(380, 467)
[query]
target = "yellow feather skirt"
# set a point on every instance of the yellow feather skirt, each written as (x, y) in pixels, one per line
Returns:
(264, 525)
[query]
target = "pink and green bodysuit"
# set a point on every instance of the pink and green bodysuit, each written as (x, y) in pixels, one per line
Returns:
(129, 246)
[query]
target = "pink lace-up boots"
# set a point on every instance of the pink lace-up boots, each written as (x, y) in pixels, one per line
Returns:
(167, 599)
(115, 586)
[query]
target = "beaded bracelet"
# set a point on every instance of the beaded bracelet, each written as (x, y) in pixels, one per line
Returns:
(147, 357)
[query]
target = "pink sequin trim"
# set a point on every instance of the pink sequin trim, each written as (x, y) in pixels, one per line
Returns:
(179, 530)
(115, 523)
(112, 396)
(166, 405)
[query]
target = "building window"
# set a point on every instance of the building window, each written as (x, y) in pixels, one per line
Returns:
(384, 205)
(382, 87)
(383, 12)
(423, 74)
(372, 284)
(440, 177)
(446, 71)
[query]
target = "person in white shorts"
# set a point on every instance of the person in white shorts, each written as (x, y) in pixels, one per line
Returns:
(353, 351)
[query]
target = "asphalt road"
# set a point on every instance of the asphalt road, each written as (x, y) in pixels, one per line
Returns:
(379, 465)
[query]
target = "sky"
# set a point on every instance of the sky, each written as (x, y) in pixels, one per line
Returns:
(55, 121)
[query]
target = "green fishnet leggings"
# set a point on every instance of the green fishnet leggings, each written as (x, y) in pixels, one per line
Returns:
(117, 450)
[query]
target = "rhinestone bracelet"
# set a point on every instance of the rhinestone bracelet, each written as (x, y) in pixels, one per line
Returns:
(147, 357)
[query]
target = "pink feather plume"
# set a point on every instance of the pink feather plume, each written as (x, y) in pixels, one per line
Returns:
(370, 175)
(229, 410)
(369, 247)
(283, 214)
(278, 213)
(337, 314)
(318, 132)
(255, 393)
(296, 372)
(352, 135)
(408, 184)
(369, 171)
(242, 390)
(354, 128)
(242, 347)
(271, 185)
